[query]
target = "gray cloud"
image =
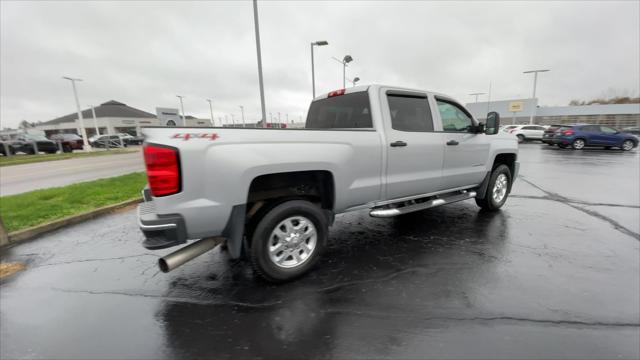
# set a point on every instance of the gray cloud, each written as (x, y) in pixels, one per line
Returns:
(144, 53)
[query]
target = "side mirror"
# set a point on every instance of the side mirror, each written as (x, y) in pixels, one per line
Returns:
(493, 123)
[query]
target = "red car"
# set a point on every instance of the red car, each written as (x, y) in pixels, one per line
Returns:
(70, 142)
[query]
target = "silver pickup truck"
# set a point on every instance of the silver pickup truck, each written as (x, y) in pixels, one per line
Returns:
(271, 194)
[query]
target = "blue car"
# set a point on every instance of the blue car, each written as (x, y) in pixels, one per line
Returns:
(580, 136)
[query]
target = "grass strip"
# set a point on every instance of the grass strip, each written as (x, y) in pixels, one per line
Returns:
(27, 159)
(41, 206)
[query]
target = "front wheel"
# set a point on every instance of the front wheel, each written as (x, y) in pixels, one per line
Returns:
(497, 190)
(288, 240)
(520, 138)
(627, 145)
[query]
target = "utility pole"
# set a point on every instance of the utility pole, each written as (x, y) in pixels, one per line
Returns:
(257, 27)
(184, 120)
(535, 82)
(211, 110)
(85, 143)
(313, 73)
(242, 112)
(95, 122)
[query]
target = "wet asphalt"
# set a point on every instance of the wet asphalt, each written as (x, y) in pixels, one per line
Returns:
(555, 274)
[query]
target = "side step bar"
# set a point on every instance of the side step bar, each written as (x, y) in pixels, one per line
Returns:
(390, 212)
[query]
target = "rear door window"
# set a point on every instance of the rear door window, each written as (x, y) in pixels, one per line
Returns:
(349, 111)
(410, 113)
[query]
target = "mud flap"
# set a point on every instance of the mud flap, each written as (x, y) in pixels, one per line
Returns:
(234, 230)
(482, 189)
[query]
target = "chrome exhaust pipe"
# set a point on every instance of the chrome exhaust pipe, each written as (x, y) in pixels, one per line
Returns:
(187, 253)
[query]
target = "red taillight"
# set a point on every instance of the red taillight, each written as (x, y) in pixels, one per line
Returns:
(337, 93)
(163, 169)
(567, 132)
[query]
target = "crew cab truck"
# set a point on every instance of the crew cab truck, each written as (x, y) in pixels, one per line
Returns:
(272, 194)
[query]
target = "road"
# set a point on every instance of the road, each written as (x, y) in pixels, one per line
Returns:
(555, 274)
(17, 179)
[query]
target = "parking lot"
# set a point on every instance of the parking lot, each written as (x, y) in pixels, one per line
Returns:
(555, 274)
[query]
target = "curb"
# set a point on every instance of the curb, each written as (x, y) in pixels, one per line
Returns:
(30, 233)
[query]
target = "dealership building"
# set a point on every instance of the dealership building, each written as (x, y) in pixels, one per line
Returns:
(519, 111)
(114, 117)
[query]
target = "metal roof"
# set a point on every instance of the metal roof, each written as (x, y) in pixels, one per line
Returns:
(110, 108)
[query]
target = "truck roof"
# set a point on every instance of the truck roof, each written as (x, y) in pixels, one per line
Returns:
(361, 88)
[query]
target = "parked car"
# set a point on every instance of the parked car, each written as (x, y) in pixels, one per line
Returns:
(527, 132)
(580, 136)
(547, 136)
(6, 145)
(635, 130)
(272, 194)
(107, 141)
(69, 142)
(25, 143)
(131, 140)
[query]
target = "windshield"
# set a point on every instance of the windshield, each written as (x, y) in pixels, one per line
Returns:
(35, 137)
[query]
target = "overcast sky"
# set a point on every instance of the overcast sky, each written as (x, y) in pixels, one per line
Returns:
(144, 53)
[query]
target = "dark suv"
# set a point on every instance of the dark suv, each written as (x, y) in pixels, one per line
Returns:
(25, 143)
(583, 135)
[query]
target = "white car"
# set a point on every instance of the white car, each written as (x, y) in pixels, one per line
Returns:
(525, 132)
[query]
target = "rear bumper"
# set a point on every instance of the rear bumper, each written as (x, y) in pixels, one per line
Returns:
(160, 231)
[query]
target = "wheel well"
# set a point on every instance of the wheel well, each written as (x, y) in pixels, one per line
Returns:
(267, 191)
(506, 159)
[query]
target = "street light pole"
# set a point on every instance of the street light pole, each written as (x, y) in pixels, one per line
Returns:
(354, 81)
(347, 59)
(535, 82)
(184, 119)
(85, 143)
(211, 110)
(313, 73)
(95, 122)
(257, 27)
(477, 94)
(242, 112)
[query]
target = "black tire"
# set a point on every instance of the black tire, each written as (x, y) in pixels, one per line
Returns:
(578, 144)
(52, 151)
(562, 146)
(489, 203)
(520, 138)
(550, 144)
(627, 145)
(67, 148)
(607, 147)
(262, 238)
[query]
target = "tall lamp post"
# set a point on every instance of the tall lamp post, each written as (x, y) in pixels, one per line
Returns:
(477, 94)
(242, 112)
(257, 28)
(184, 120)
(85, 143)
(211, 111)
(354, 81)
(313, 73)
(535, 83)
(347, 59)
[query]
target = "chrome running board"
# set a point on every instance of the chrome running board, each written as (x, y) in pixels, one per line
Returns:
(386, 211)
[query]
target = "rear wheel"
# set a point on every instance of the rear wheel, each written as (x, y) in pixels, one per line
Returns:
(627, 145)
(67, 148)
(497, 190)
(288, 240)
(520, 138)
(578, 144)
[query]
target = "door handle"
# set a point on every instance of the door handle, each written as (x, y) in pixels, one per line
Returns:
(398, 144)
(452, 142)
